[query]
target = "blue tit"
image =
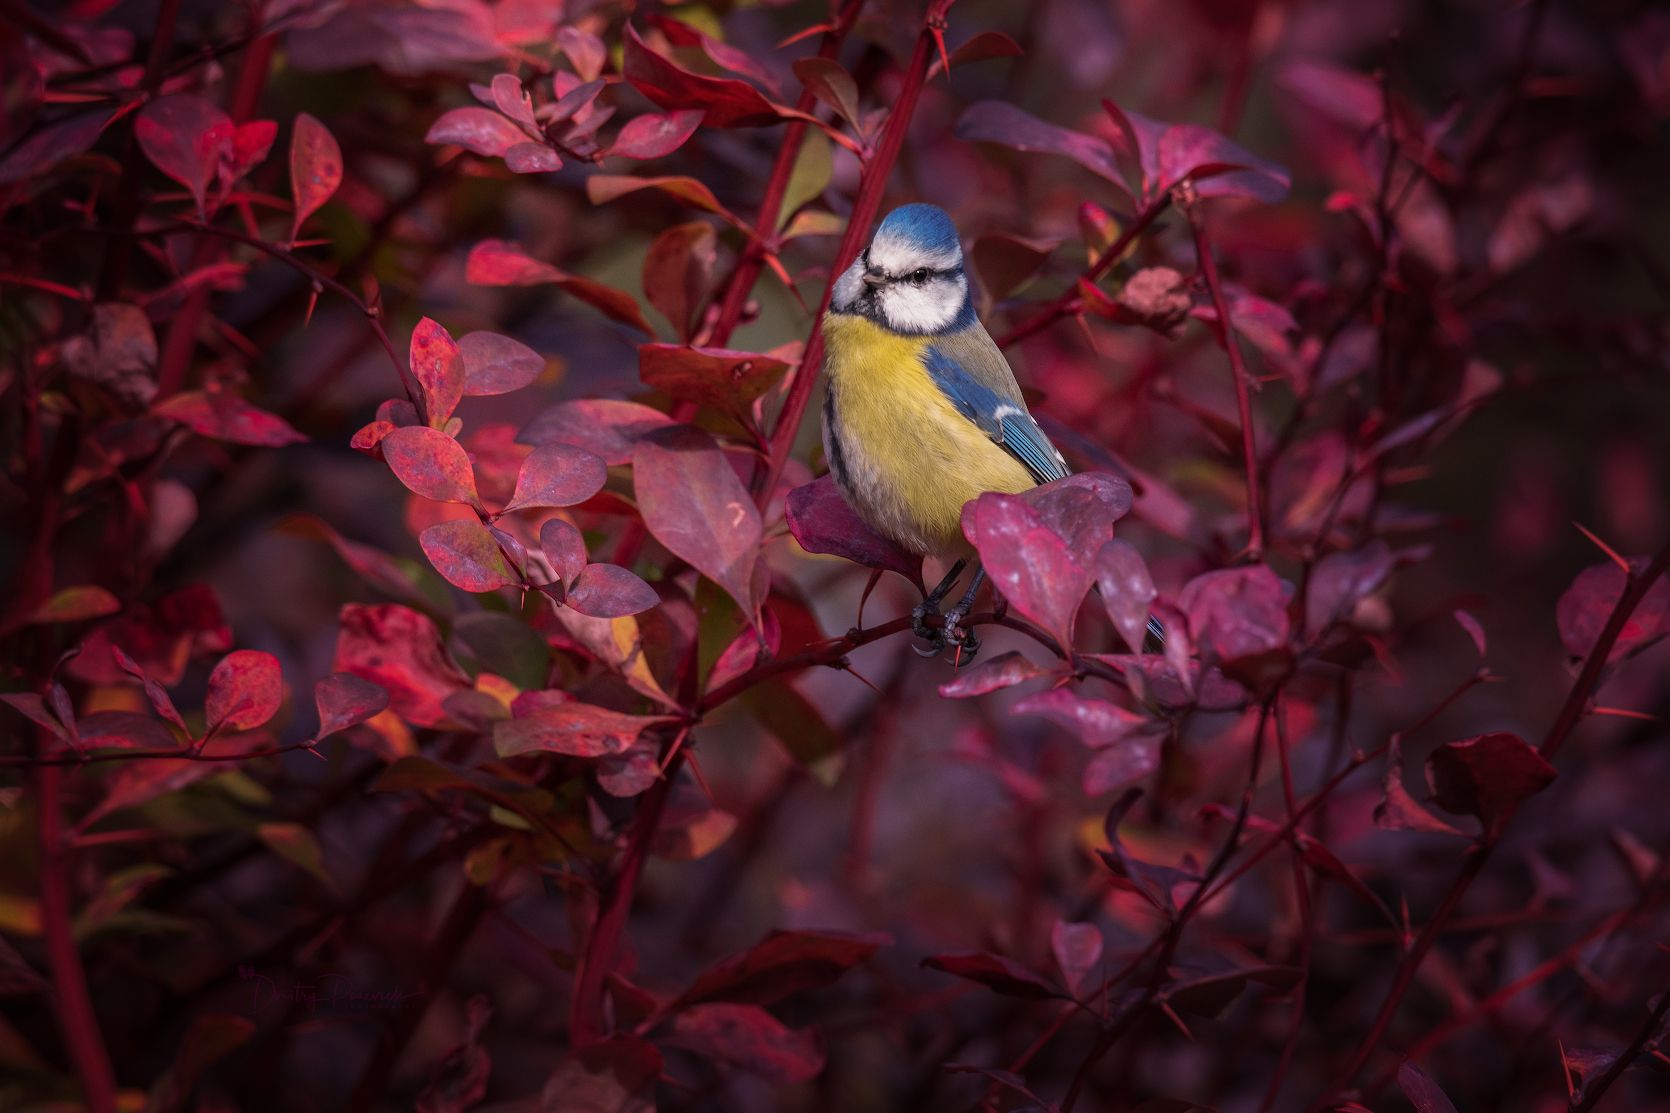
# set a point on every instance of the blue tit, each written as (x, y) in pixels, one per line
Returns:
(922, 412)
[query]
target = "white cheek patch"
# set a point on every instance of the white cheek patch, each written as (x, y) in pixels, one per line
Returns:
(927, 308)
(849, 286)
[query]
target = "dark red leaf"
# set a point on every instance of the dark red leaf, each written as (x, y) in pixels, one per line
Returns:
(607, 427)
(123, 730)
(985, 46)
(1236, 613)
(1003, 671)
(162, 637)
(76, 604)
(315, 168)
(558, 475)
(996, 973)
(467, 556)
(345, 700)
(1096, 722)
(656, 135)
(716, 377)
(34, 708)
(994, 121)
(1081, 510)
(1423, 1093)
(1341, 580)
(153, 691)
(1123, 763)
(748, 1037)
(186, 138)
(1489, 776)
(245, 690)
(603, 188)
(829, 81)
(678, 273)
(52, 144)
(500, 263)
(823, 522)
(694, 504)
(572, 728)
(727, 102)
(1077, 949)
(438, 367)
(251, 143)
(400, 651)
(1590, 600)
(476, 129)
(782, 964)
(223, 416)
(495, 364)
(564, 548)
(1005, 261)
(532, 158)
(1127, 590)
(724, 54)
(1399, 811)
(430, 464)
(610, 591)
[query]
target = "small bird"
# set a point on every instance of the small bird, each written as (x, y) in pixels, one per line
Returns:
(922, 411)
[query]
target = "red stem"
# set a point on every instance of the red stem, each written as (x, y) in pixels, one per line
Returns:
(871, 188)
(1238, 368)
(69, 981)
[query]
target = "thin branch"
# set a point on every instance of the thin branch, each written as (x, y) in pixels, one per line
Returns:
(1648, 1032)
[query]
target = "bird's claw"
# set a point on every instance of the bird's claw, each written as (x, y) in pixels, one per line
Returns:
(930, 634)
(953, 633)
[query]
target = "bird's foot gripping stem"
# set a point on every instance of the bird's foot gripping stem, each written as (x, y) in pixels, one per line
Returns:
(951, 631)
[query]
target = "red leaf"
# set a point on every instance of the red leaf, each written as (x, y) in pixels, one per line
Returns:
(1081, 510)
(400, 651)
(430, 464)
(829, 81)
(495, 364)
(439, 369)
(564, 548)
(822, 522)
(1029, 563)
(1399, 811)
(1475, 631)
(985, 46)
(1341, 580)
(186, 138)
(153, 691)
(315, 168)
(1077, 949)
(781, 964)
(1218, 166)
(1423, 1093)
(574, 728)
(717, 377)
(727, 102)
(1003, 671)
(1236, 613)
(53, 144)
(1590, 600)
(245, 690)
(558, 475)
(1489, 776)
(251, 143)
(345, 700)
(999, 974)
(694, 504)
(500, 263)
(162, 637)
(124, 730)
(585, 50)
(603, 188)
(1121, 764)
(476, 129)
(223, 416)
(512, 99)
(608, 427)
(467, 556)
(678, 273)
(1127, 590)
(656, 135)
(748, 1037)
(610, 591)
(34, 708)
(532, 158)
(994, 121)
(1096, 722)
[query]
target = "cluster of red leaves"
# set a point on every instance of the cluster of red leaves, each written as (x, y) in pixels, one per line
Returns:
(584, 717)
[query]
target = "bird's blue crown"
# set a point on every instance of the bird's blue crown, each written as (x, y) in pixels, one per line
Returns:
(921, 225)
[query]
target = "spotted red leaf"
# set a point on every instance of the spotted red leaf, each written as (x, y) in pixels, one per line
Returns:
(717, 377)
(610, 591)
(656, 135)
(400, 651)
(245, 690)
(1097, 722)
(1127, 590)
(430, 464)
(467, 556)
(1030, 564)
(574, 728)
(823, 522)
(694, 504)
(558, 475)
(438, 367)
(315, 168)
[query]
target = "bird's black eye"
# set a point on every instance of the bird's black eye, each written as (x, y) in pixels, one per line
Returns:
(921, 275)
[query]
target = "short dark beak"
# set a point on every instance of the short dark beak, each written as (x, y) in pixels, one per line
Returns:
(874, 279)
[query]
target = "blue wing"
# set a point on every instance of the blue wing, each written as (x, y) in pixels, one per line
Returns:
(1004, 420)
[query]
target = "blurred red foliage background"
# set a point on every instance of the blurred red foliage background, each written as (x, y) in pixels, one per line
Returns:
(437, 678)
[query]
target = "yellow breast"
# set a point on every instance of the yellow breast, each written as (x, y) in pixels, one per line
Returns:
(908, 459)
